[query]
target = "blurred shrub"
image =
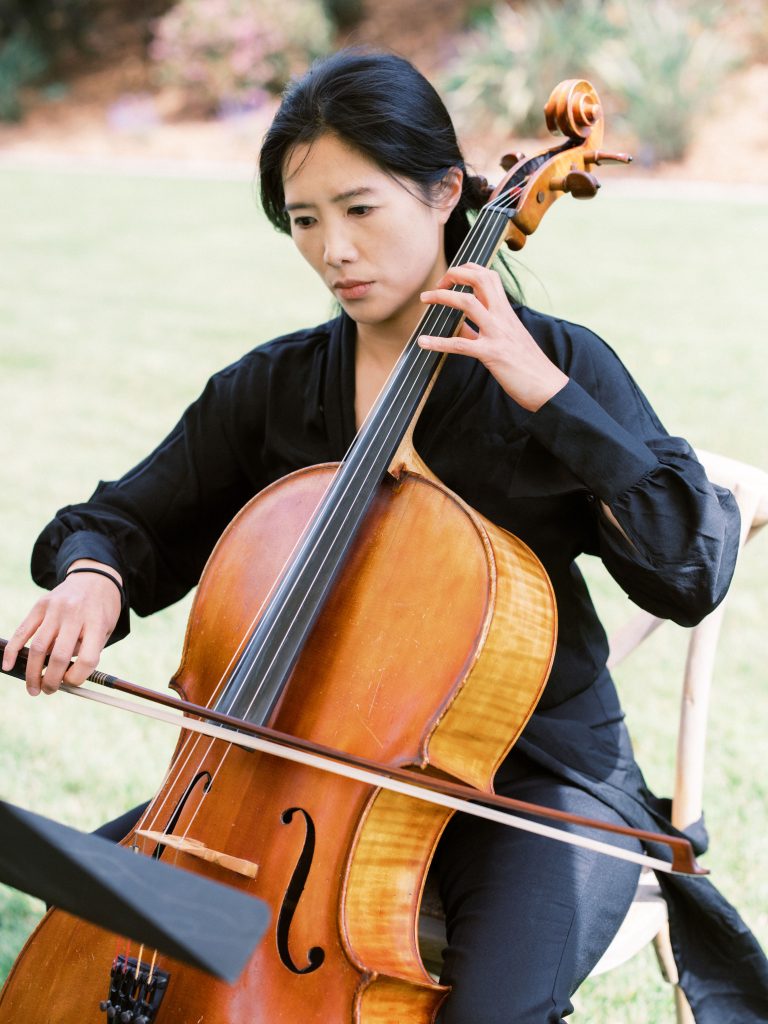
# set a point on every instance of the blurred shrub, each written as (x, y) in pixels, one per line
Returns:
(657, 63)
(748, 23)
(53, 37)
(225, 54)
(508, 64)
(54, 26)
(664, 70)
(344, 14)
(22, 60)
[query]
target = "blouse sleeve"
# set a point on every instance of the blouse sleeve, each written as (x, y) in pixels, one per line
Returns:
(158, 523)
(680, 532)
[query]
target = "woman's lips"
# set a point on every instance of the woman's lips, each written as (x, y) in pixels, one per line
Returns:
(352, 289)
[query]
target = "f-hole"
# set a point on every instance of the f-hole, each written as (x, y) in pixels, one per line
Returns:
(315, 955)
(207, 779)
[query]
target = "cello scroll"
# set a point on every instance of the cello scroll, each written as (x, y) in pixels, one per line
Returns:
(573, 110)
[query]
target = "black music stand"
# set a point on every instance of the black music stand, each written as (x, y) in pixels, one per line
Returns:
(205, 924)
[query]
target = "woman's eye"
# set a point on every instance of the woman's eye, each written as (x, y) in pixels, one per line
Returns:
(359, 211)
(303, 222)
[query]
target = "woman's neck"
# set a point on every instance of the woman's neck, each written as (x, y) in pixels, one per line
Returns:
(379, 345)
(387, 339)
(375, 358)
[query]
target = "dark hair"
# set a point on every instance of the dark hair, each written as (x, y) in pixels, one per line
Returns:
(380, 105)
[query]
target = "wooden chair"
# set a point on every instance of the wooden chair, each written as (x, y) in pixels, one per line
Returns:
(646, 921)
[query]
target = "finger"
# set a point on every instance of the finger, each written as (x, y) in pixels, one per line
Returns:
(20, 636)
(467, 272)
(39, 648)
(457, 345)
(468, 303)
(88, 651)
(465, 331)
(40, 642)
(61, 654)
(484, 282)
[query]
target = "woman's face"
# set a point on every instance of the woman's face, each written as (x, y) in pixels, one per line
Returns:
(372, 241)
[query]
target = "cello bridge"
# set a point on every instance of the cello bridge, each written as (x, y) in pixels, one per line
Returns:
(135, 992)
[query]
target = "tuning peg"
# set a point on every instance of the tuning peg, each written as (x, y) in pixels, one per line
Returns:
(580, 184)
(596, 156)
(509, 160)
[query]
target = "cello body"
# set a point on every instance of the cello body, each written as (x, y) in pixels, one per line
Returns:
(431, 651)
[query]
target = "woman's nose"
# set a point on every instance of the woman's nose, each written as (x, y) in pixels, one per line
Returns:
(339, 247)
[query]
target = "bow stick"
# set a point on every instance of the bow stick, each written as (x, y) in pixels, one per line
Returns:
(407, 782)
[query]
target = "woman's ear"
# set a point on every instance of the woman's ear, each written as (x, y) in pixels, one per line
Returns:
(449, 192)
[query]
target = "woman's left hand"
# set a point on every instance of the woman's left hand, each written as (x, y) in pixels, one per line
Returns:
(501, 342)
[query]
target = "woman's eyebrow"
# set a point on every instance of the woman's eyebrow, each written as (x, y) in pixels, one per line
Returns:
(351, 193)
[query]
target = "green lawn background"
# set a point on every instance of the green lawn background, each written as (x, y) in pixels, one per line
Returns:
(120, 294)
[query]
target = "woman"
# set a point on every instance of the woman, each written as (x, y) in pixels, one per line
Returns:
(536, 424)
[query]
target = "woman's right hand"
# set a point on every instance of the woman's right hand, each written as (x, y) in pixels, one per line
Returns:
(74, 620)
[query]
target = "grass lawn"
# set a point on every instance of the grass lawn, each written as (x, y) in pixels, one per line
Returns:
(119, 295)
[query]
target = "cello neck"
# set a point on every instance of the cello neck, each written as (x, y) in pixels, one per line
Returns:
(399, 402)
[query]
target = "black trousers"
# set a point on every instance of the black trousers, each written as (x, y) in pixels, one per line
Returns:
(527, 917)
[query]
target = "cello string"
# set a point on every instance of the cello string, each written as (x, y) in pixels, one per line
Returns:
(381, 434)
(421, 356)
(190, 750)
(370, 438)
(441, 314)
(436, 323)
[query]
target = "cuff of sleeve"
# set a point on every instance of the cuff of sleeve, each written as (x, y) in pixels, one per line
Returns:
(85, 544)
(597, 449)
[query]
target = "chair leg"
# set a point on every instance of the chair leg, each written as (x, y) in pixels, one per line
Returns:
(663, 949)
(682, 1008)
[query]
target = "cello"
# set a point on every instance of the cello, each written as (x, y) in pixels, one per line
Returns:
(298, 641)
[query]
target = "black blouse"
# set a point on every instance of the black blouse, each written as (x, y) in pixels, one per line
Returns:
(290, 404)
(543, 476)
